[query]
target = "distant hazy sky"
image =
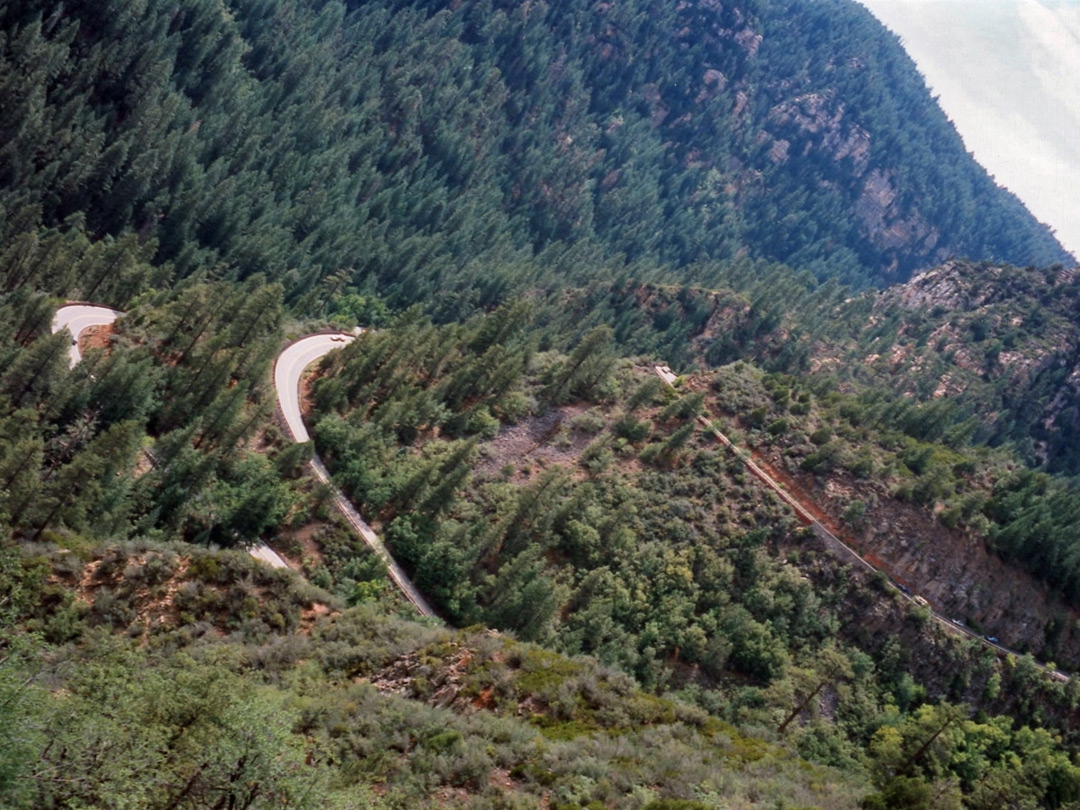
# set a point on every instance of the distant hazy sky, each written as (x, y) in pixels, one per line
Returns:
(1008, 75)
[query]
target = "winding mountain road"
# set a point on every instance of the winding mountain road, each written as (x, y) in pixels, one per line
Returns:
(838, 546)
(77, 318)
(288, 373)
(289, 370)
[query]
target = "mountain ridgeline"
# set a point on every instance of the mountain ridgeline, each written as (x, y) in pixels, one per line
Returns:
(529, 206)
(406, 148)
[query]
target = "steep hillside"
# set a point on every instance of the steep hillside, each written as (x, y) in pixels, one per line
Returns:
(610, 526)
(317, 708)
(117, 697)
(527, 205)
(947, 519)
(533, 481)
(408, 148)
(989, 350)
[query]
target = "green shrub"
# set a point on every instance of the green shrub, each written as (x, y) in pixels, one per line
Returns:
(778, 428)
(855, 512)
(598, 456)
(482, 423)
(444, 741)
(632, 429)
(863, 466)
(756, 417)
(589, 421)
(901, 793)
(111, 609)
(818, 462)
(204, 568)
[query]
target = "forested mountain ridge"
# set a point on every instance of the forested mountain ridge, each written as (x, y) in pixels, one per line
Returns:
(519, 198)
(405, 147)
(622, 533)
(988, 350)
(995, 344)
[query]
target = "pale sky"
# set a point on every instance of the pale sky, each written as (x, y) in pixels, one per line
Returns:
(1008, 75)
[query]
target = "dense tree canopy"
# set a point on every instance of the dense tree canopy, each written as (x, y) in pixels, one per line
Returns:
(516, 198)
(406, 148)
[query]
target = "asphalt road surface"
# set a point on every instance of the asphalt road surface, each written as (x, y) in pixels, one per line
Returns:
(288, 372)
(78, 317)
(289, 368)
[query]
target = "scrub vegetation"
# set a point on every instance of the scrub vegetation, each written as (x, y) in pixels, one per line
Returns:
(528, 206)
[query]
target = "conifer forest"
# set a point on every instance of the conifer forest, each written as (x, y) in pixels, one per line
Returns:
(691, 423)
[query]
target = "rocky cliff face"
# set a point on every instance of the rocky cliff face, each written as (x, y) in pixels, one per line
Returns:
(893, 227)
(1000, 341)
(823, 135)
(962, 286)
